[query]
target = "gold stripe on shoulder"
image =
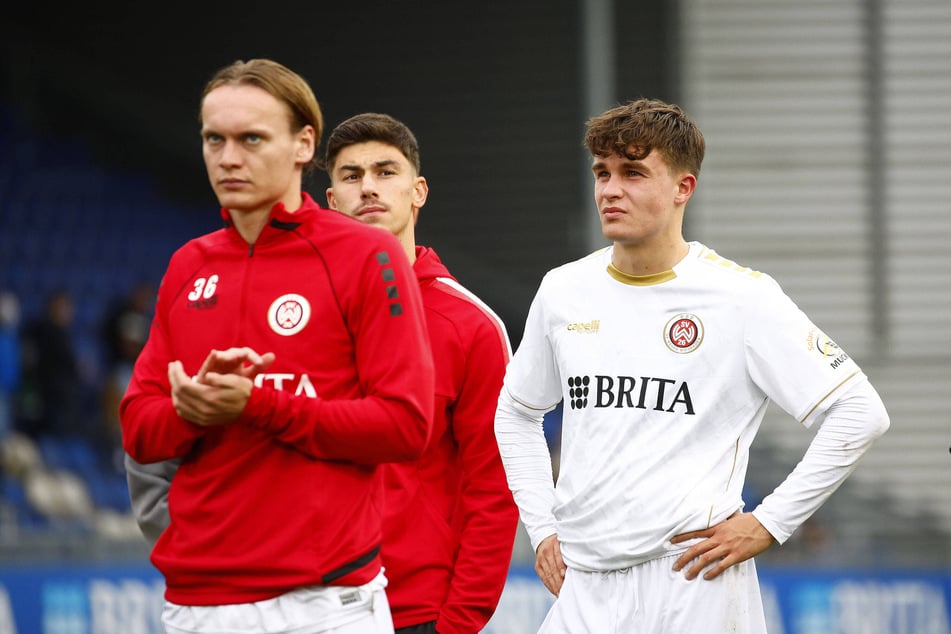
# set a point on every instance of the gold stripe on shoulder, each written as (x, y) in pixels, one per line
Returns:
(640, 280)
(543, 410)
(821, 400)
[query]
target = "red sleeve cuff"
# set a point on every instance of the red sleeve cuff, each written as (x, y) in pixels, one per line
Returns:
(256, 410)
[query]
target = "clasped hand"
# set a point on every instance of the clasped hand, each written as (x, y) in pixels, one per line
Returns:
(219, 392)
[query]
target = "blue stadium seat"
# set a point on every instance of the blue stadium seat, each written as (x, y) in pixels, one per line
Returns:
(110, 491)
(26, 516)
(54, 451)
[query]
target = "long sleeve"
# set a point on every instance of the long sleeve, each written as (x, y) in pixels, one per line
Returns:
(364, 392)
(486, 511)
(528, 467)
(391, 418)
(850, 426)
(148, 491)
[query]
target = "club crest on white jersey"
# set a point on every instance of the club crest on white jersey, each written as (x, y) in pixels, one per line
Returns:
(288, 314)
(683, 333)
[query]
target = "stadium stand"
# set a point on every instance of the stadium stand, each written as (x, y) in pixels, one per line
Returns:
(68, 223)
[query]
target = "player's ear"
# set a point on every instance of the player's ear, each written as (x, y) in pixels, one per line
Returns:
(420, 194)
(685, 188)
(305, 145)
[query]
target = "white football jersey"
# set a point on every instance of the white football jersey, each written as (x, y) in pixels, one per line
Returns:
(665, 380)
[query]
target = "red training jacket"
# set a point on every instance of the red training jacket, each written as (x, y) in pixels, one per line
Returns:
(290, 494)
(450, 520)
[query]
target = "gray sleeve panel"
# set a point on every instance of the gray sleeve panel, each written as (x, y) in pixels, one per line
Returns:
(148, 492)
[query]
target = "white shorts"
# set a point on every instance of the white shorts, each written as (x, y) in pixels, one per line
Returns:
(311, 610)
(653, 599)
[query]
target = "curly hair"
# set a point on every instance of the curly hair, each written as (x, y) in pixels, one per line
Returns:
(634, 129)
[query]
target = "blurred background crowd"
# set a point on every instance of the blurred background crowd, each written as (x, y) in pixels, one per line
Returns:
(76, 301)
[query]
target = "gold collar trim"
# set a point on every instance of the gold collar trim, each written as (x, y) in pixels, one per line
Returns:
(640, 280)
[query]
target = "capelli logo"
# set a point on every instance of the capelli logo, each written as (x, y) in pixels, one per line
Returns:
(585, 327)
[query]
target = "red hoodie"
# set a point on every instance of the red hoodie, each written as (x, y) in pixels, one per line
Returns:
(289, 495)
(450, 520)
